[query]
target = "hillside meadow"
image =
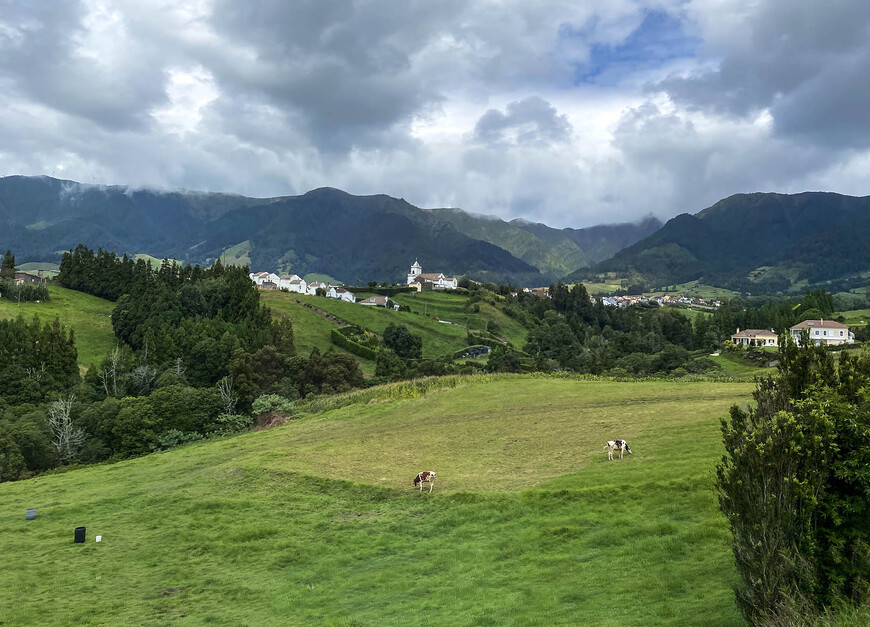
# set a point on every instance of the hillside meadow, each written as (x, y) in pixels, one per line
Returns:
(316, 521)
(89, 316)
(438, 339)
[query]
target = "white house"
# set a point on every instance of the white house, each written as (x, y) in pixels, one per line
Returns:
(340, 293)
(825, 332)
(263, 277)
(438, 280)
(292, 283)
(312, 288)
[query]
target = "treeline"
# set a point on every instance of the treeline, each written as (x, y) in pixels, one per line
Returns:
(194, 349)
(571, 331)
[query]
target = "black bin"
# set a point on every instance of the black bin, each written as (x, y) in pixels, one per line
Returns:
(80, 535)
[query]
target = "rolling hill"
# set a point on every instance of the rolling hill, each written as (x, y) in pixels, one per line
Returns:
(757, 242)
(317, 522)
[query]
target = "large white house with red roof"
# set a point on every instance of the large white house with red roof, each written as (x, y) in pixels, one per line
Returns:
(827, 332)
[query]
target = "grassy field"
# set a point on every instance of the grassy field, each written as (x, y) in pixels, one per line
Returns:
(602, 288)
(855, 317)
(49, 269)
(699, 290)
(154, 262)
(310, 329)
(438, 339)
(316, 522)
(691, 314)
(89, 316)
(733, 365)
(452, 307)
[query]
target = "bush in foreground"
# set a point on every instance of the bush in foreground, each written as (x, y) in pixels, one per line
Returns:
(795, 486)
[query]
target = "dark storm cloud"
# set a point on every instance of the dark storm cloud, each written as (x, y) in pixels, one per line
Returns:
(807, 62)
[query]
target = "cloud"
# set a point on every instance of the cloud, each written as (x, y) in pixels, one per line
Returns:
(532, 120)
(557, 111)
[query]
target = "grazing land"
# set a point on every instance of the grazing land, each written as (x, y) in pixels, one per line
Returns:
(438, 339)
(88, 316)
(310, 329)
(855, 317)
(316, 521)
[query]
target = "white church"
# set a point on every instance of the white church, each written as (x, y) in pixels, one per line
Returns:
(437, 279)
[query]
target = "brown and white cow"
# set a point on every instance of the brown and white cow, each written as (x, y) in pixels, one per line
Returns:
(616, 445)
(427, 476)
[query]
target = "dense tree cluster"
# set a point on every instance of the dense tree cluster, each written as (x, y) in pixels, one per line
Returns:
(795, 486)
(37, 360)
(576, 333)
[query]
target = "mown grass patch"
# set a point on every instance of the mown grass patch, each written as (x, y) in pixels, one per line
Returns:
(308, 523)
(88, 316)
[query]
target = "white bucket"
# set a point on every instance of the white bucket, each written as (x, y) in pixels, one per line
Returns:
(99, 538)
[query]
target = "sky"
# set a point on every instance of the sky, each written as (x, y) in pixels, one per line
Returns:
(568, 112)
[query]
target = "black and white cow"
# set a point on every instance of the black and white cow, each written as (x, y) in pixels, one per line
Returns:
(427, 476)
(617, 445)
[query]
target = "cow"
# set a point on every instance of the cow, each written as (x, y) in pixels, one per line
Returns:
(616, 445)
(427, 476)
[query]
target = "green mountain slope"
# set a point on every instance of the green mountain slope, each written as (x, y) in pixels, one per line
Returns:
(324, 231)
(758, 242)
(316, 522)
(555, 252)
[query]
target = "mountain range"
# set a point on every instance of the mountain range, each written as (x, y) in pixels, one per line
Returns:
(761, 242)
(323, 231)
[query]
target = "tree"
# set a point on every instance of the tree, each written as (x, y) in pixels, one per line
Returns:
(7, 269)
(228, 397)
(68, 439)
(795, 486)
(403, 342)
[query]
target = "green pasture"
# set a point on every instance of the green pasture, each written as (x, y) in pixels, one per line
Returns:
(691, 314)
(316, 522)
(438, 339)
(310, 329)
(602, 288)
(155, 262)
(699, 290)
(735, 366)
(855, 317)
(457, 308)
(88, 316)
